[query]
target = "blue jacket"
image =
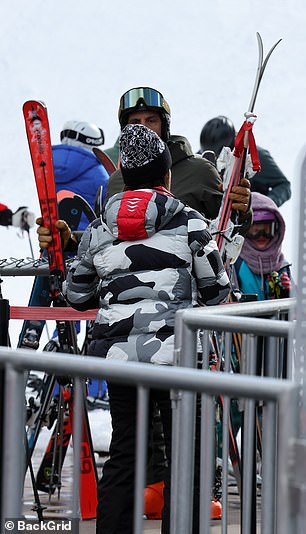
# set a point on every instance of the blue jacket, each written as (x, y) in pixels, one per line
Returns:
(78, 170)
(253, 283)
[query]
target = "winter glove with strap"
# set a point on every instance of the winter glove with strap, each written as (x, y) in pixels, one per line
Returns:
(23, 219)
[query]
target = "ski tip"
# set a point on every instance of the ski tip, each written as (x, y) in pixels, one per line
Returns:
(259, 38)
(103, 158)
(64, 193)
(33, 103)
(260, 41)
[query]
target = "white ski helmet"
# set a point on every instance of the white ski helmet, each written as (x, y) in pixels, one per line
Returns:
(83, 134)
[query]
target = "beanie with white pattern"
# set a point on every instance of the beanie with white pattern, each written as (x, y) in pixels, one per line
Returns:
(144, 157)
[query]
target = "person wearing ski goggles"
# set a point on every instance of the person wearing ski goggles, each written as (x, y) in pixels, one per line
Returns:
(261, 268)
(263, 228)
(197, 183)
(195, 180)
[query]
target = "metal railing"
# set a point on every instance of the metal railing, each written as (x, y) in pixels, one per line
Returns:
(279, 415)
(236, 318)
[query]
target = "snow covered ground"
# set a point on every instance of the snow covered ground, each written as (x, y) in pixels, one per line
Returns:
(79, 58)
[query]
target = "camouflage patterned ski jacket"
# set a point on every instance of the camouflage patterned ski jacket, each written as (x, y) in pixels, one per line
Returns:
(147, 257)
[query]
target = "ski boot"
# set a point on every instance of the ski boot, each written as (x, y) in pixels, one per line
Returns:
(154, 500)
(215, 509)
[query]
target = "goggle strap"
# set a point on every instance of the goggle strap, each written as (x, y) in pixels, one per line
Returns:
(85, 139)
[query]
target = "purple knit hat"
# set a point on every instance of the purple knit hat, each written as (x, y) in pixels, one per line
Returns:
(263, 215)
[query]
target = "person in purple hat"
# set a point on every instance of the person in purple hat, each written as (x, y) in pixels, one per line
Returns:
(261, 268)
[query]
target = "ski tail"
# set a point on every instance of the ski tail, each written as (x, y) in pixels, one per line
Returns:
(88, 470)
(107, 163)
(72, 206)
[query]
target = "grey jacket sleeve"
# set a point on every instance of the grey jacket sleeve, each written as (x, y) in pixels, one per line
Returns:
(81, 286)
(208, 269)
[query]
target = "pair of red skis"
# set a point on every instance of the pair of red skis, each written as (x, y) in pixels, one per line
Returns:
(38, 133)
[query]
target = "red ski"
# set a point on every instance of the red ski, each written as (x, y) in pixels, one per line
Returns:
(48, 478)
(38, 134)
(222, 227)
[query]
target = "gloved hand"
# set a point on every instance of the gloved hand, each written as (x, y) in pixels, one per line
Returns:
(279, 285)
(285, 283)
(23, 219)
(44, 235)
(240, 195)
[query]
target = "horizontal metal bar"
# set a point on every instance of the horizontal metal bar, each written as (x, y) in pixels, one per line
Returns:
(253, 325)
(261, 307)
(161, 376)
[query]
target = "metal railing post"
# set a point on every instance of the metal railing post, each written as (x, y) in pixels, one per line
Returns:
(269, 446)
(225, 435)
(289, 517)
(248, 449)
(13, 439)
(141, 456)
(4, 325)
(184, 479)
(77, 437)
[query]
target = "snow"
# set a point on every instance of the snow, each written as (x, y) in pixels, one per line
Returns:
(79, 58)
(99, 419)
(101, 427)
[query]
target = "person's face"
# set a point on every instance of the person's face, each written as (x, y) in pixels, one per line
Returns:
(260, 234)
(150, 119)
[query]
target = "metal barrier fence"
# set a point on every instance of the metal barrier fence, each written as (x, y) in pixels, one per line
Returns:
(279, 415)
(228, 319)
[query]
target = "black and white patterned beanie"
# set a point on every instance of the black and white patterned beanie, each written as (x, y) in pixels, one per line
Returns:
(144, 157)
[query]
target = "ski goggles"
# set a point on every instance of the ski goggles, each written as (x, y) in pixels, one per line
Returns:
(85, 139)
(150, 97)
(268, 233)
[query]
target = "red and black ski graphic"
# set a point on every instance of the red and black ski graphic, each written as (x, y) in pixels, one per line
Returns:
(38, 133)
(48, 478)
(88, 470)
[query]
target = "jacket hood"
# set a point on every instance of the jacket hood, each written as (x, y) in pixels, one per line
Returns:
(140, 213)
(270, 259)
(71, 163)
(180, 148)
